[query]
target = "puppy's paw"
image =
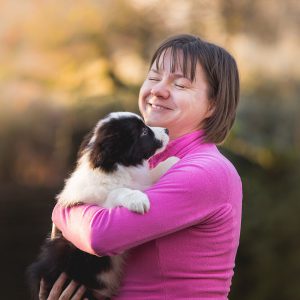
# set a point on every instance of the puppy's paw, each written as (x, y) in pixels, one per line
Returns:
(136, 201)
(169, 162)
(162, 168)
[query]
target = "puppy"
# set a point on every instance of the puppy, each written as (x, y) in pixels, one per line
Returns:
(112, 170)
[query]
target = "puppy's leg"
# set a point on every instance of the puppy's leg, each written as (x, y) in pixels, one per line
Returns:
(54, 232)
(134, 200)
(162, 168)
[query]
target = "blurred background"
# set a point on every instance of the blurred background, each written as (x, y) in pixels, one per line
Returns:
(64, 64)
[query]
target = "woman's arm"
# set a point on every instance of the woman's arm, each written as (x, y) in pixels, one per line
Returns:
(190, 193)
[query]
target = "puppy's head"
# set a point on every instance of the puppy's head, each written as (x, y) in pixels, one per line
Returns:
(122, 139)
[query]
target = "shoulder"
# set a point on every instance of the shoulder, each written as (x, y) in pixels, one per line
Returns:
(209, 170)
(212, 161)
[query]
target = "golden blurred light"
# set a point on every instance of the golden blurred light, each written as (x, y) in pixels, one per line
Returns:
(129, 67)
(87, 80)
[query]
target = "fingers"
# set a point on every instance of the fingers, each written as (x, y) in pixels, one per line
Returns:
(71, 292)
(79, 293)
(57, 289)
(43, 290)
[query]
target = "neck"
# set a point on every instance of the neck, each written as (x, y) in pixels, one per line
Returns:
(175, 135)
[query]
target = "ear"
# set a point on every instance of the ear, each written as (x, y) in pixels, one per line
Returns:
(211, 109)
(103, 154)
(84, 144)
(102, 159)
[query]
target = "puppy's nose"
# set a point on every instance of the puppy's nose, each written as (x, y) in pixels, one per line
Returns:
(166, 131)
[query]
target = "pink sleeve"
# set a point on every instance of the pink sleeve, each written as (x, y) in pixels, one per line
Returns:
(187, 194)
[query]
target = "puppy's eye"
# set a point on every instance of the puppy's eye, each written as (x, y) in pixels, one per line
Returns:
(145, 131)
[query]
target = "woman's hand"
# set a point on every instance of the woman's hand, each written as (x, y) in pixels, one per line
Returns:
(72, 292)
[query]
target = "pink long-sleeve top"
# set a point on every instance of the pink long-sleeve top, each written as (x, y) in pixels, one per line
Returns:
(185, 246)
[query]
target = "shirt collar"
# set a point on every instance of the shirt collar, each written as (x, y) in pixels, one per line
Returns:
(180, 147)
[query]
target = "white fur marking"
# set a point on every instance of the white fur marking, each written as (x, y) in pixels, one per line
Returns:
(123, 187)
(161, 135)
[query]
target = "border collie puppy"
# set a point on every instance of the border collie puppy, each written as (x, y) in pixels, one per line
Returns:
(112, 170)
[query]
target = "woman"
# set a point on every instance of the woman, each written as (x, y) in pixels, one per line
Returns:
(185, 246)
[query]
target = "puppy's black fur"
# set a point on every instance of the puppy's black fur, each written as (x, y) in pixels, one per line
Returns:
(58, 256)
(124, 140)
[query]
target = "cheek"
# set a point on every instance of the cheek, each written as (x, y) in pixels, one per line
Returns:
(141, 105)
(144, 91)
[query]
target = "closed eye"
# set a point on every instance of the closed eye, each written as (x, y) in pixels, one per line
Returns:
(182, 83)
(154, 79)
(180, 86)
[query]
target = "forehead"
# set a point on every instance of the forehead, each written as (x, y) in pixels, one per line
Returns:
(118, 116)
(121, 120)
(176, 60)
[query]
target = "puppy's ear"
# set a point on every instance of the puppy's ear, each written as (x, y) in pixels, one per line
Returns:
(102, 160)
(105, 151)
(84, 144)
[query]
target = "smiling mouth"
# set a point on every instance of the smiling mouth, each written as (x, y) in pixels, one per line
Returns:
(157, 107)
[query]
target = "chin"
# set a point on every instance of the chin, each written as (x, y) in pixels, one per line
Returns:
(112, 160)
(155, 120)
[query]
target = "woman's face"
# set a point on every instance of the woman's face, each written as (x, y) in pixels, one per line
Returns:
(173, 101)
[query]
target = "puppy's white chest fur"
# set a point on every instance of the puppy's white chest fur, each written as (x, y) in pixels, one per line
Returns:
(88, 185)
(123, 187)
(113, 171)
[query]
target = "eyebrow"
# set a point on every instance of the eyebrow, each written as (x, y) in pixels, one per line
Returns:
(155, 71)
(176, 75)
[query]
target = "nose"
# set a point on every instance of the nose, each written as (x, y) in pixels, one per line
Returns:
(166, 131)
(160, 90)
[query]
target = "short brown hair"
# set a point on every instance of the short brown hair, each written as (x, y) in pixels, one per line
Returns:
(221, 73)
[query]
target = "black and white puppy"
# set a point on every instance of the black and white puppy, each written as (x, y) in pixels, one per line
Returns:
(112, 170)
